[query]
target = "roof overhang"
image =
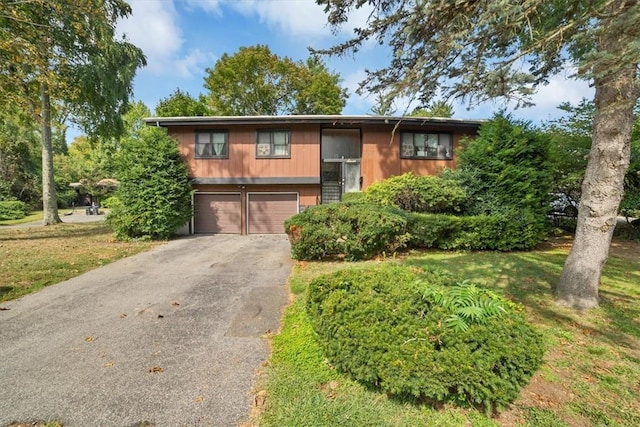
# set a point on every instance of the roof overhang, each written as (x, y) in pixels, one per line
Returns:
(326, 120)
(305, 180)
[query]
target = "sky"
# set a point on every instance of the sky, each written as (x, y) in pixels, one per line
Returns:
(182, 38)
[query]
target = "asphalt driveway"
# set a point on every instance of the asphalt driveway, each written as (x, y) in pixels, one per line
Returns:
(171, 337)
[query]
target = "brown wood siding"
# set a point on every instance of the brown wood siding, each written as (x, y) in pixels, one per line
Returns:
(381, 154)
(242, 161)
(309, 195)
(217, 213)
(268, 211)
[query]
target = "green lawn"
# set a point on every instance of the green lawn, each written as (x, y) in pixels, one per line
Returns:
(34, 257)
(591, 375)
(33, 216)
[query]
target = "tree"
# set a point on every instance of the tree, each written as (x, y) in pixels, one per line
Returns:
(56, 58)
(506, 171)
(181, 104)
(154, 195)
(316, 89)
(383, 106)
(438, 108)
(255, 81)
(486, 49)
(86, 162)
(19, 157)
(571, 141)
(571, 136)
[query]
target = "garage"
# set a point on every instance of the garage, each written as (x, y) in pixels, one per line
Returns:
(268, 211)
(217, 213)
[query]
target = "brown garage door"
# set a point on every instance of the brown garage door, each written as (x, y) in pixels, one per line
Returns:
(267, 211)
(217, 213)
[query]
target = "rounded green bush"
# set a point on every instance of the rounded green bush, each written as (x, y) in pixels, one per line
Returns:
(13, 209)
(355, 230)
(418, 193)
(419, 335)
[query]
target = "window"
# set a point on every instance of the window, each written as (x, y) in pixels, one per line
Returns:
(273, 143)
(212, 144)
(414, 145)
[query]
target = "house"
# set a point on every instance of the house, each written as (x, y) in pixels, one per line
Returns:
(250, 173)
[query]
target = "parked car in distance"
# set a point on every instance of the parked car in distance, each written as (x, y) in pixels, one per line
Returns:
(562, 204)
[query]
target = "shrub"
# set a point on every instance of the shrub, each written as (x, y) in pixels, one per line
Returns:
(155, 191)
(357, 230)
(109, 202)
(13, 209)
(506, 167)
(418, 193)
(355, 197)
(418, 335)
(513, 231)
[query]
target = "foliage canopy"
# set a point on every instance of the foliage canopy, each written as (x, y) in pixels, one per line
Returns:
(65, 61)
(154, 195)
(479, 50)
(181, 104)
(255, 81)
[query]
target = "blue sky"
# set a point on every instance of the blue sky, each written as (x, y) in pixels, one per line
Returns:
(181, 38)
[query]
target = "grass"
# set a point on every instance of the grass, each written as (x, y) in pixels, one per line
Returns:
(34, 257)
(33, 216)
(591, 375)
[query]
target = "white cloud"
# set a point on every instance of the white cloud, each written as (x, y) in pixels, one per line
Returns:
(356, 104)
(292, 18)
(560, 89)
(155, 28)
(190, 66)
(213, 6)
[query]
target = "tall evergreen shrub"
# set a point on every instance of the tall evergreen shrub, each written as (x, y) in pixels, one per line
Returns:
(154, 196)
(506, 169)
(507, 173)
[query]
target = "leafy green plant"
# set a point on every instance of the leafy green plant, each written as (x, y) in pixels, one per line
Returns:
(418, 193)
(355, 230)
(423, 336)
(13, 209)
(109, 202)
(506, 168)
(355, 197)
(467, 302)
(154, 195)
(503, 232)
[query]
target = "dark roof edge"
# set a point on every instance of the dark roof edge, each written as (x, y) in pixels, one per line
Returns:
(333, 120)
(256, 180)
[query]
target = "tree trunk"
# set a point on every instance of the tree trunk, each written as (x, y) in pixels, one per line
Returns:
(49, 198)
(602, 189)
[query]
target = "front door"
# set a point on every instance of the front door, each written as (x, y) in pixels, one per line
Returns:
(339, 176)
(340, 167)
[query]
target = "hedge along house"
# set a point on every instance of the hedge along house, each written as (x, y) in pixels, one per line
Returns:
(250, 173)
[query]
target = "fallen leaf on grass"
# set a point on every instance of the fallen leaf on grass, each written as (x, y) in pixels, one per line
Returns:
(156, 370)
(261, 398)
